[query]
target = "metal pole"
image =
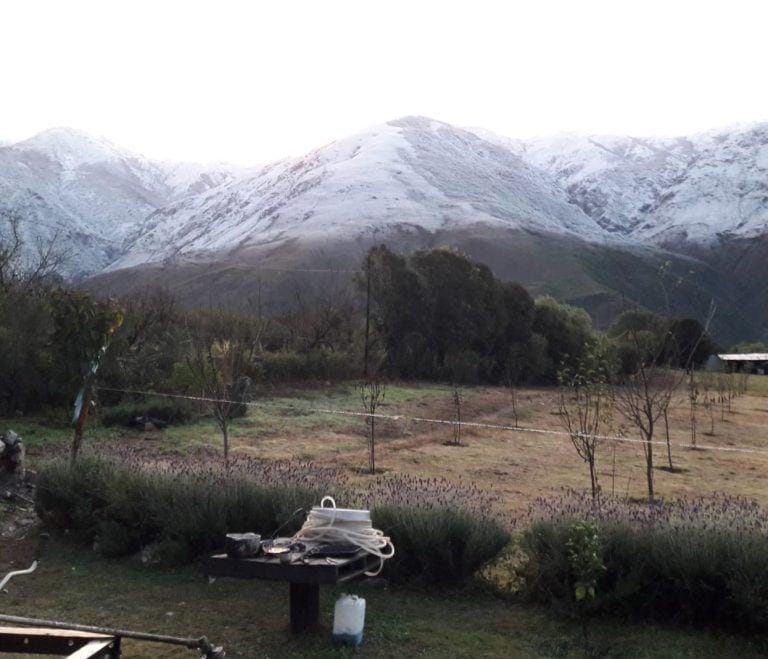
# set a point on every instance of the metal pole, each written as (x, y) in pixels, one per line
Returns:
(203, 644)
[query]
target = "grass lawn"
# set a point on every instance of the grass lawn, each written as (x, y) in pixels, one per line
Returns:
(251, 618)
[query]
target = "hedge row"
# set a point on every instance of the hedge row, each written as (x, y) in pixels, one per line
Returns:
(702, 561)
(179, 512)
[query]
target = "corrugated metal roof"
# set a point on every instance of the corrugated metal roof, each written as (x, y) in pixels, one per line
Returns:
(744, 357)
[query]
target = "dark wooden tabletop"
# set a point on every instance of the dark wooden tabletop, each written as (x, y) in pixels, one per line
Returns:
(304, 569)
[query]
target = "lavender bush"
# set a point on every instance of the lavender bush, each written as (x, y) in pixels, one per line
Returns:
(122, 502)
(128, 499)
(702, 560)
(444, 531)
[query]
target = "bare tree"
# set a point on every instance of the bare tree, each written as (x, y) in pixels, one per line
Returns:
(513, 376)
(693, 399)
(458, 400)
(19, 267)
(217, 362)
(10, 250)
(322, 315)
(644, 398)
(372, 393)
(584, 407)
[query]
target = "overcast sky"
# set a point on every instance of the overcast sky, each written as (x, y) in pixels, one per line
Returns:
(251, 82)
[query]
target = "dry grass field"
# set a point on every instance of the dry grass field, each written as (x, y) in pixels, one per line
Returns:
(517, 465)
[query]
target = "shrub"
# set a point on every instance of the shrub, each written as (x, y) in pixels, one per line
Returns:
(284, 366)
(320, 364)
(121, 503)
(443, 531)
(74, 499)
(174, 412)
(693, 560)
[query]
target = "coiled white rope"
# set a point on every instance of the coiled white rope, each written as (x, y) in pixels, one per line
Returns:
(323, 525)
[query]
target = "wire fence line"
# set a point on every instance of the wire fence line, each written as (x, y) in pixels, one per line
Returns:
(448, 422)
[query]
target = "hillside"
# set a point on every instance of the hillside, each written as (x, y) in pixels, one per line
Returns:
(588, 219)
(87, 195)
(669, 192)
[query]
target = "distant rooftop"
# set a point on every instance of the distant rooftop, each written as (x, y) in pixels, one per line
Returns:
(744, 357)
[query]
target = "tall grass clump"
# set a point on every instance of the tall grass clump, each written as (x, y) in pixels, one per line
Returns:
(443, 531)
(702, 561)
(122, 502)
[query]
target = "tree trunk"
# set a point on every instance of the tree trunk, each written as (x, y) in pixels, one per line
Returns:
(514, 407)
(649, 467)
(669, 445)
(225, 433)
(77, 440)
(693, 423)
(373, 446)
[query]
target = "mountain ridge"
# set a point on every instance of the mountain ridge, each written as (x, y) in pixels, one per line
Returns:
(413, 170)
(414, 181)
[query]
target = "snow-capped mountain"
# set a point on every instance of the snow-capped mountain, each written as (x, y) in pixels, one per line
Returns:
(670, 192)
(110, 208)
(86, 195)
(582, 217)
(413, 171)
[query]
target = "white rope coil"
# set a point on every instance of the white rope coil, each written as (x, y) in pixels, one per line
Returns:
(346, 526)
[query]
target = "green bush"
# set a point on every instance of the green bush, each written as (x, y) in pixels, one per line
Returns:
(442, 531)
(332, 365)
(76, 499)
(438, 546)
(321, 364)
(702, 561)
(284, 366)
(185, 508)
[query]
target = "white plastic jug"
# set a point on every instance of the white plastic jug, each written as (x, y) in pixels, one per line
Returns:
(348, 620)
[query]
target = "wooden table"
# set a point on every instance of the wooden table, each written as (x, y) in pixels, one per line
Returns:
(304, 577)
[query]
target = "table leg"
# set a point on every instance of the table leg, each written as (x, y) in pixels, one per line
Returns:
(305, 607)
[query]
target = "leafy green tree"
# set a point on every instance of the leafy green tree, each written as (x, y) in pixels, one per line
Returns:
(465, 305)
(82, 327)
(749, 346)
(639, 335)
(145, 348)
(437, 314)
(25, 326)
(25, 322)
(568, 334)
(687, 344)
(397, 297)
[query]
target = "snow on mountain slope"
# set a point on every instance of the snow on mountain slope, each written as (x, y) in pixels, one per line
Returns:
(412, 171)
(664, 191)
(72, 148)
(86, 195)
(110, 208)
(189, 178)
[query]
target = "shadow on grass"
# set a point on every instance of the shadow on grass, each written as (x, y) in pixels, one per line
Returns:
(673, 470)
